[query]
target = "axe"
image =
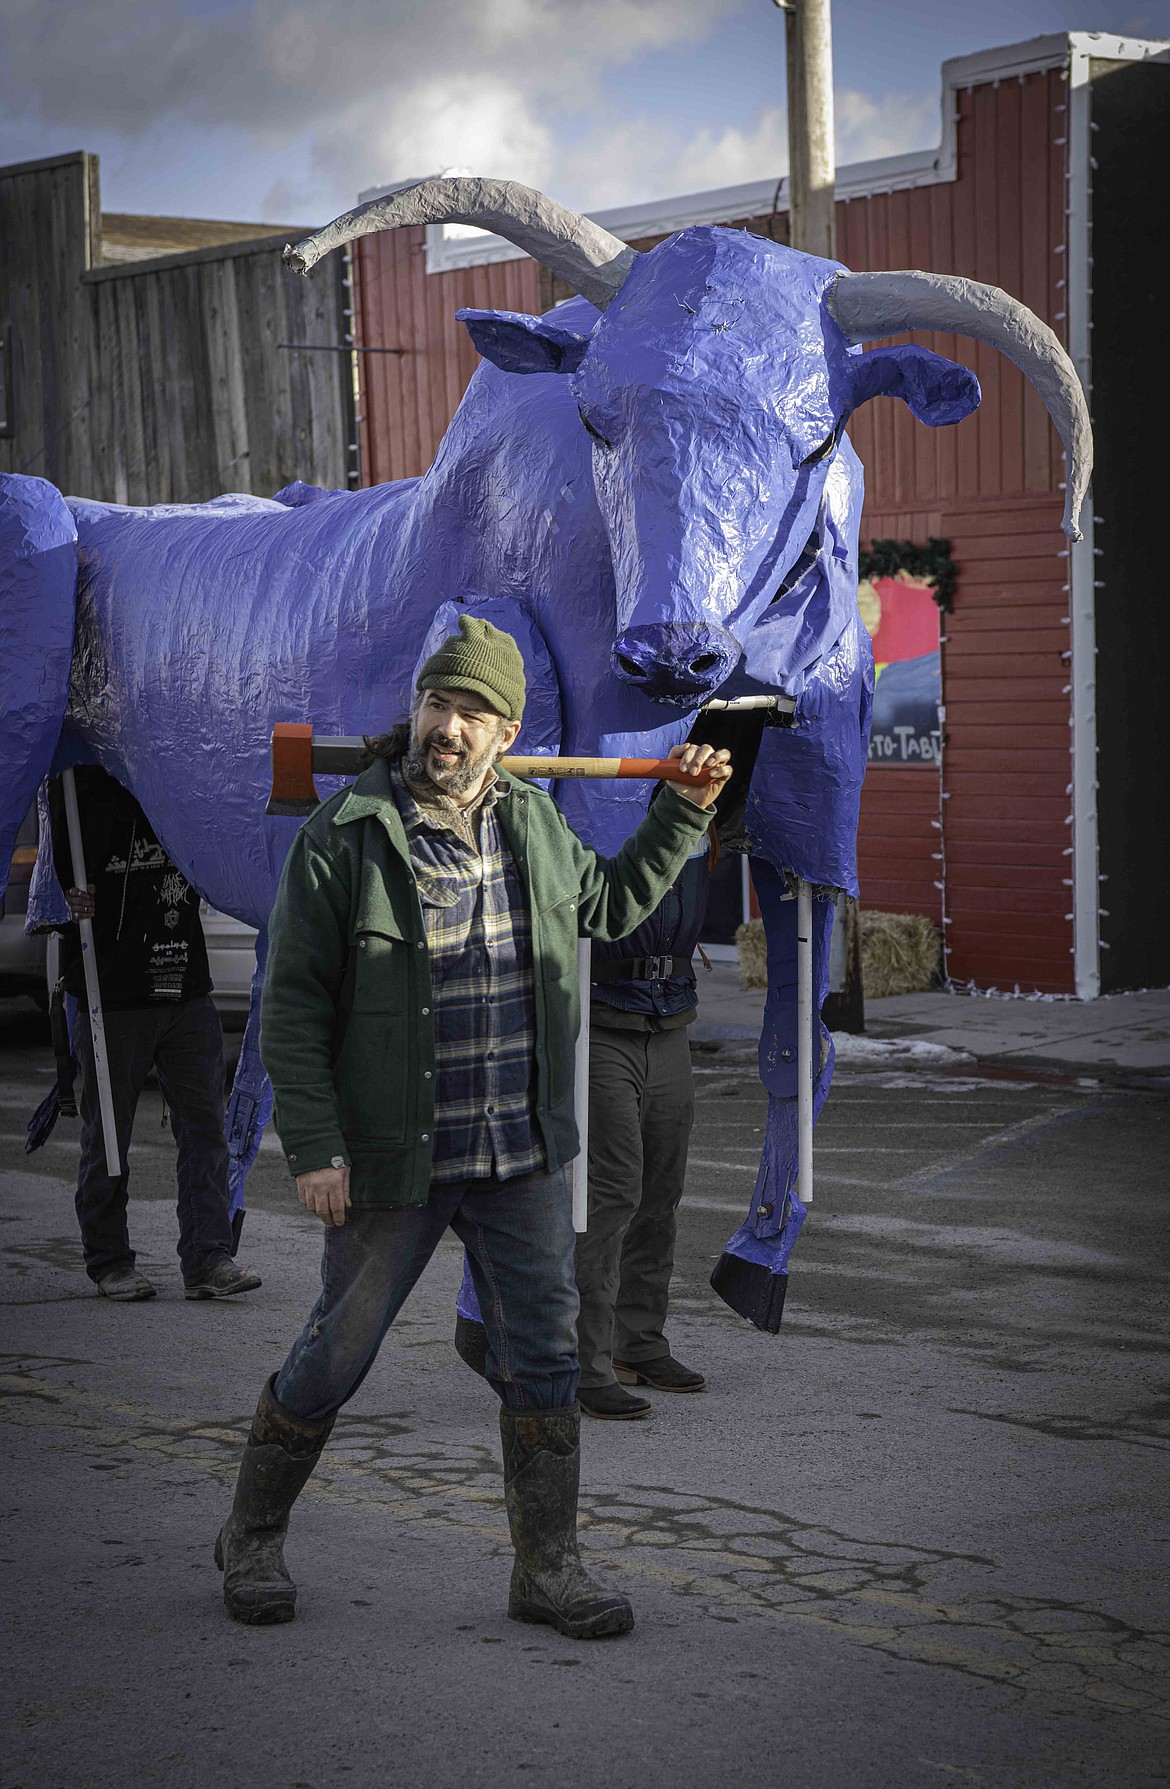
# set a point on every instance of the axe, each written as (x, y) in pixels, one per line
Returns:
(296, 754)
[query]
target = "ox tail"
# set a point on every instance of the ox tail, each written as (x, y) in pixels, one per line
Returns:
(38, 594)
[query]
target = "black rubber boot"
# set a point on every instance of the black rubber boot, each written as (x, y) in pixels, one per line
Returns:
(542, 1461)
(279, 1457)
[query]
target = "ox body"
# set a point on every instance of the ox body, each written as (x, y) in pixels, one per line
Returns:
(652, 492)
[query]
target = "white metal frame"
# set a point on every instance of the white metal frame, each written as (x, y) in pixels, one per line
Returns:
(1081, 561)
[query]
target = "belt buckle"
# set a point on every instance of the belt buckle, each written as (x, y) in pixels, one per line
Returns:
(655, 970)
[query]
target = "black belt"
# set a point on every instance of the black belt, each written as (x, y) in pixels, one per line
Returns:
(644, 969)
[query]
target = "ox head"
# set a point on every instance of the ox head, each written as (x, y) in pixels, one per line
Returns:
(715, 387)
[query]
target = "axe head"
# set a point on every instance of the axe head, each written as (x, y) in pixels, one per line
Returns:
(293, 788)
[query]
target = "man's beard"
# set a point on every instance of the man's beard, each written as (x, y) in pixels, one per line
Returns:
(452, 779)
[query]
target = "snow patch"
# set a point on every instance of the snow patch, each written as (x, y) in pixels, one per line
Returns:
(880, 1050)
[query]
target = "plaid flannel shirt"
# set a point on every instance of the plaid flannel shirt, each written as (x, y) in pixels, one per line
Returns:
(479, 936)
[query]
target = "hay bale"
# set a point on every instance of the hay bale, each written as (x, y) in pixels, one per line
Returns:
(753, 954)
(901, 953)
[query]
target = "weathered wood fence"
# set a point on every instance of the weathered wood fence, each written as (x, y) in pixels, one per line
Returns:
(172, 379)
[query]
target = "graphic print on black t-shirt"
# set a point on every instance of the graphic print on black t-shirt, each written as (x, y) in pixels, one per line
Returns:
(148, 940)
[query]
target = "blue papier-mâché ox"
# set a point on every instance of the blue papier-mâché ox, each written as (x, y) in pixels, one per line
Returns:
(650, 488)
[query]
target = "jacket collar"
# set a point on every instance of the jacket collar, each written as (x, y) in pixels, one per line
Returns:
(370, 797)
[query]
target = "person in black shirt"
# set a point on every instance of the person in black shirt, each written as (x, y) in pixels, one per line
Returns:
(641, 1105)
(157, 1012)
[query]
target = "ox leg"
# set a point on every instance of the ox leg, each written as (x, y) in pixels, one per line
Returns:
(250, 1105)
(752, 1274)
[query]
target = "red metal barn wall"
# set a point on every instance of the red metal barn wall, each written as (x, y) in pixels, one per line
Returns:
(989, 857)
(991, 487)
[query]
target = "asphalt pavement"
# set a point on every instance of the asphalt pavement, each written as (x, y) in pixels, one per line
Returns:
(912, 1540)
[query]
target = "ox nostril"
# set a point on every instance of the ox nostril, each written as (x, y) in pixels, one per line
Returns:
(706, 661)
(629, 666)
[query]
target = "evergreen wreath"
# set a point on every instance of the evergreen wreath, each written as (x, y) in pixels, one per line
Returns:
(886, 558)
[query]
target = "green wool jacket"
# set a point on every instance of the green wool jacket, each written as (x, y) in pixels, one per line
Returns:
(347, 1030)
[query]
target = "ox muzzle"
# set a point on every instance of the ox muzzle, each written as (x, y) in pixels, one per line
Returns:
(673, 661)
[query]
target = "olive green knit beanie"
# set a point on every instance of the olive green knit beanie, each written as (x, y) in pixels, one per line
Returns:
(481, 658)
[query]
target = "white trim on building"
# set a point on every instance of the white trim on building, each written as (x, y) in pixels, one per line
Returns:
(1081, 558)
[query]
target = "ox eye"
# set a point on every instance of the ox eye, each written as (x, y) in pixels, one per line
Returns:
(824, 450)
(590, 430)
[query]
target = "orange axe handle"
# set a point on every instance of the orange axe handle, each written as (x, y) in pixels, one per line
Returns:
(660, 770)
(296, 755)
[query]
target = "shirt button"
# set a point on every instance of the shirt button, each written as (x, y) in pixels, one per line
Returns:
(572, 906)
(361, 944)
(490, 1108)
(421, 945)
(426, 1137)
(426, 1012)
(426, 1074)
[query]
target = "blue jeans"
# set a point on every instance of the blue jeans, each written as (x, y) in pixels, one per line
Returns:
(519, 1239)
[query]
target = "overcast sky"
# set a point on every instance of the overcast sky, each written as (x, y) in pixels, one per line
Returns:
(274, 111)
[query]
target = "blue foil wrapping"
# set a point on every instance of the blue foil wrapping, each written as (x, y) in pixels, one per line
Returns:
(658, 501)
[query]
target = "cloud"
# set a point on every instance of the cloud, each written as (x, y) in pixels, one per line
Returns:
(642, 159)
(308, 106)
(867, 128)
(279, 66)
(475, 122)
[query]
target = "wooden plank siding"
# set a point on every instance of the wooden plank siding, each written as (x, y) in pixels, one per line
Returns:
(161, 380)
(201, 398)
(48, 216)
(996, 832)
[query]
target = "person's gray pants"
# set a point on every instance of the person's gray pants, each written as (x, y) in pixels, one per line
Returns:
(184, 1045)
(641, 1106)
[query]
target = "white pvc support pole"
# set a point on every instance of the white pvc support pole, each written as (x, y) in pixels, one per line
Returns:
(580, 1168)
(92, 991)
(804, 1043)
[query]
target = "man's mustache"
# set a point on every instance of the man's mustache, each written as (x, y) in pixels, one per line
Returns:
(444, 743)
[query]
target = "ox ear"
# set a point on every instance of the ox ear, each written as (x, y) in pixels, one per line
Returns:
(935, 390)
(517, 343)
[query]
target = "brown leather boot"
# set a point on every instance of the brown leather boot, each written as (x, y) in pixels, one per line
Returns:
(279, 1457)
(542, 1459)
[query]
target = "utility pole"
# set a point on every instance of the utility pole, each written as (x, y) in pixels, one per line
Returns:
(812, 228)
(812, 162)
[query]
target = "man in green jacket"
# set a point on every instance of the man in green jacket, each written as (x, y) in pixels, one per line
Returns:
(419, 1020)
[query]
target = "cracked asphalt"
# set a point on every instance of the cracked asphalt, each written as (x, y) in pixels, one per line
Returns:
(916, 1539)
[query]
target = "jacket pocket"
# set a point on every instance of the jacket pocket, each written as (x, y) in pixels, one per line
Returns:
(374, 1079)
(374, 1071)
(380, 968)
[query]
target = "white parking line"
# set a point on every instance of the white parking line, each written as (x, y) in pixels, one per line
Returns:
(698, 1161)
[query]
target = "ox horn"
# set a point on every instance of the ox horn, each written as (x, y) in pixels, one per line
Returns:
(877, 304)
(592, 261)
